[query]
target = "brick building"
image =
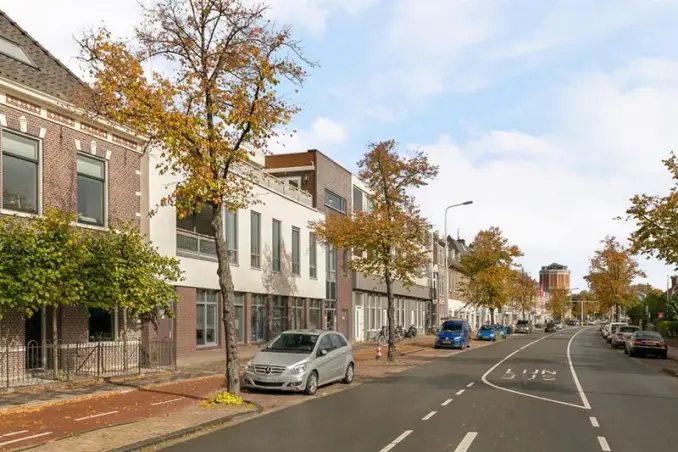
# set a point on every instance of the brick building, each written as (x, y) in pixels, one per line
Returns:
(54, 157)
(554, 277)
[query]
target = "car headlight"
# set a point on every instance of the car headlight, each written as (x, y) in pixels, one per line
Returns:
(249, 365)
(298, 369)
(457, 338)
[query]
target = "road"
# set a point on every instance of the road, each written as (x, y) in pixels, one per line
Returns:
(561, 393)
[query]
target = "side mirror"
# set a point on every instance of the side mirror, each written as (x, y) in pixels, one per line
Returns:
(322, 352)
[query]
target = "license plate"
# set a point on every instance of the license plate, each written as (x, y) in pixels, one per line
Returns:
(447, 342)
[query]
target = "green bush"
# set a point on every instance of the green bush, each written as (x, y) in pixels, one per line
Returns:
(668, 328)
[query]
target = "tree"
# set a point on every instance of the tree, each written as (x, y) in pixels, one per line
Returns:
(208, 115)
(390, 240)
(557, 303)
(488, 267)
(612, 272)
(41, 259)
(524, 291)
(656, 219)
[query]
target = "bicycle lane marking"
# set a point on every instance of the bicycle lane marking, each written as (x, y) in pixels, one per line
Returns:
(585, 404)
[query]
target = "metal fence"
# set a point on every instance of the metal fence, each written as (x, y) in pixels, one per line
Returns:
(34, 364)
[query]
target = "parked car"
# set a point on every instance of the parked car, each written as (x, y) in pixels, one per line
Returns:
(301, 361)
(487, 333)
(524, 326)
(454, 334)
(559, 325)
(612, 329)
(501, 330)
(646, 343)
(550, 328)
(620, 336)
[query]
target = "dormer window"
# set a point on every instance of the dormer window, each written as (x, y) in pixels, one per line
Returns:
(15, 51)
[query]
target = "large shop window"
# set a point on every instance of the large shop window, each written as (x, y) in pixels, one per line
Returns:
(206, 315)
(239, 316)
(258, 318)
(330, 315)
(195, 236)
(279, 314)
(314, 314)
(298, 314)
(232, 236)
(20, 169)
(91, 190)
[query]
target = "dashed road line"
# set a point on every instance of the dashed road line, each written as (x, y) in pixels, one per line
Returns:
(95, 416)
(469, 385)
(603, 444)
(395, 442)
(594, 421)
(25, 438)
(429, 416)
(466, 442)
(446, 402)
(13, 433)
(460, 392)
(166, 401)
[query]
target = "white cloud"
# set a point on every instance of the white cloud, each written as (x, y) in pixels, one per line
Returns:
(550, 200)
(322, 134)
(328, 131)
(312, 15)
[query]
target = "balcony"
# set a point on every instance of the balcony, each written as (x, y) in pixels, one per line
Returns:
(264, 179)
(198, 246)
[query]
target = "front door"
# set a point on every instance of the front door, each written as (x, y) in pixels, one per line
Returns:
(359, 324)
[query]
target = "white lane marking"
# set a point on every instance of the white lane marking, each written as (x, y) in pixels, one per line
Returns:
(460, 392)
(603, 444)
(395, 442)
(466, 442)
(14, 433)
(469, 385)
(446, 402)
(584, 399)
(509, 356)
(25, 438)
(167, 401)
(594, 421)
(95, 415)
(429, 416)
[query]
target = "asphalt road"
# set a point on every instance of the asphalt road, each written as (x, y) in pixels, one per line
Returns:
(517, 395)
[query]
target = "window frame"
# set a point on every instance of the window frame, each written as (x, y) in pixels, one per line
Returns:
(39, 178)
(276, 248)
(342, 201)
(296, 251)
(204, 303)
(312, 255)
(255, 251)
(105, 190)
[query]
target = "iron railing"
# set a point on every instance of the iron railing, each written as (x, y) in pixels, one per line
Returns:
(33, 363)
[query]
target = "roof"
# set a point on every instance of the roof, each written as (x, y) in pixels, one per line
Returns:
(555, 266)
(49, 76)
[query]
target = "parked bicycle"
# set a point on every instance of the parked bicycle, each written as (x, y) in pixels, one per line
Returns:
(399, 334)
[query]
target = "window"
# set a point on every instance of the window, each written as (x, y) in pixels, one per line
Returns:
(368, 204)
(312, 256)
(338, 341)
(334, 201)
(314, 315)
(206, 317)
(298, 314)
(331, 265)
(258, 318)
(279, 319)
(20, 169)
(100, 325)
(296, 251)
(330, 315)
(344, 262)
(194, 235)
(232, 236)
(13, 50)
(277, 246)
(239, 304)
(91, 190)
(357, 199)
(255, 239)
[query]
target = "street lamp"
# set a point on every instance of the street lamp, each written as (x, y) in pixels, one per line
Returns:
(447, 272)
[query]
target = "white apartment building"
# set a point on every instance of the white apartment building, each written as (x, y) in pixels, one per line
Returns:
(278, 267)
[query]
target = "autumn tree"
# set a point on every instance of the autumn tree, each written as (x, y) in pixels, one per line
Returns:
(583, 302)
(217, 102)
(390, 240)
(524, 291)
(488, 267)
(612, 272)
(557, 303)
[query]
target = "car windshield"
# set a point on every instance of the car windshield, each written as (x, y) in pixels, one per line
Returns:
(627, 329)
(649, 336)
(293, 343)
(451, 327)
(523, 322)
(486, 328)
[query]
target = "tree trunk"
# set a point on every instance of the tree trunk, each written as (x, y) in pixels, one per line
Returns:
(492, 316)
(228, 313)
(55, 344)
(391, 355)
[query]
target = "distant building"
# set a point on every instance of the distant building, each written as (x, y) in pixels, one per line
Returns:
(554, 277)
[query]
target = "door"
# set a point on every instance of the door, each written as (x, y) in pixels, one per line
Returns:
(359, 324)
(324, 364)
(339, 361)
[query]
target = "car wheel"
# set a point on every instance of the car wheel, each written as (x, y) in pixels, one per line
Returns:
(436, 347)
(312, 384)
(664, 355)
(348, 376)
(626, 351)
(631, 353)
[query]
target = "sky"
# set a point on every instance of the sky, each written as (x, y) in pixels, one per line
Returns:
(549, 115)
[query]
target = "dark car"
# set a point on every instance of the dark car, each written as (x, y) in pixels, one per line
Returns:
(550, 328)
(524, 327)
(646, 343)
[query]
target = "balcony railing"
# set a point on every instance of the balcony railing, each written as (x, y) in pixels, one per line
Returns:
(192, 244)
(261, 177)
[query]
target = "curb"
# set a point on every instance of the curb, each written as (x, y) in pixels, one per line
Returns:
(671, 373)
(187, 431)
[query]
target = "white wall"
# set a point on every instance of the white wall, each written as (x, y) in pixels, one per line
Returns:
(202, 273)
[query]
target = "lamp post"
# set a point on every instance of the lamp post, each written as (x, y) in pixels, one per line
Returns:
(447, 272)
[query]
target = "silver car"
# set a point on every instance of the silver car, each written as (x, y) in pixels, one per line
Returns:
(301, 361)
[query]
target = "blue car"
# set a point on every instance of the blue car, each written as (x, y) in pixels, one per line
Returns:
(487, 333)
(454, 334)
(501, 329)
